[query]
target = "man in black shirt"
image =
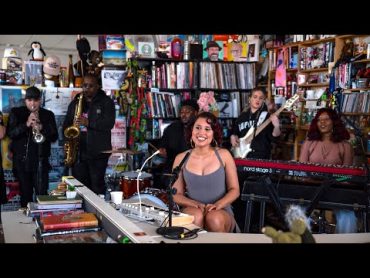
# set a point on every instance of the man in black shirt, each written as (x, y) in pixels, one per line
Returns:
(31, 156)
(173, 139)
(95, 124)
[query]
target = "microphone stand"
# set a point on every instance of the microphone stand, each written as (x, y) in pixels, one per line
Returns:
(171, 231)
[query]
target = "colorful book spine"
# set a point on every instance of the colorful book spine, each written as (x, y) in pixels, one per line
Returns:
(56, 222)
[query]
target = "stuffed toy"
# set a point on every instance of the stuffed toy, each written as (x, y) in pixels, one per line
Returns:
(299, 229)
(36, 52)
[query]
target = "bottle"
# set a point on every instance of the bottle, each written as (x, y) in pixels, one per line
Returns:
(186, 50)
(71, 76)
(176, 48)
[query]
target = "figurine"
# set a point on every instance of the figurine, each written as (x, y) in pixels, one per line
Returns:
(37, 52)
(299, 228)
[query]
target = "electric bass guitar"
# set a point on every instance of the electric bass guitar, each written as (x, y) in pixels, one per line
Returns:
(244, 147)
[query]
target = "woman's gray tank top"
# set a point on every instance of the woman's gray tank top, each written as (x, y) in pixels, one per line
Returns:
(206, 189)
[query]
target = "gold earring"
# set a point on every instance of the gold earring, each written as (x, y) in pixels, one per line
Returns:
(215, 142)
(191, 144)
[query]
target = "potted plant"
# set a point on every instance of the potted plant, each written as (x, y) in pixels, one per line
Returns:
(71, 192)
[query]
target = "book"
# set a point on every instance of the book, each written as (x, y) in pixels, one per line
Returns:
(40, 233)
(55, 222)
(32, 211)
(85, 237)
(54, 199)
(38, 206)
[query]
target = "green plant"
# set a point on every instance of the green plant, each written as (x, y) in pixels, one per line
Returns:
(71, 188)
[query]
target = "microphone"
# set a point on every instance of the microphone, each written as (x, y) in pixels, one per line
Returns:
(138, 178)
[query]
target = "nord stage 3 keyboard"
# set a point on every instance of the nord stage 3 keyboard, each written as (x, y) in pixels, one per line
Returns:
(296, 169)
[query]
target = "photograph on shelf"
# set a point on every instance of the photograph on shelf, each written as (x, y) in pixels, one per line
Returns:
(302, 78)
(253, 50)
(12, 63)
(33, 72)
(237, 51)
(146, 49)
(114, 57)
(10, 97)
(360, 45)
(112, 79)
(220, 54)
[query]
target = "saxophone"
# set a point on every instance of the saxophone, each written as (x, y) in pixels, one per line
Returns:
(72, 134)
(37, 136)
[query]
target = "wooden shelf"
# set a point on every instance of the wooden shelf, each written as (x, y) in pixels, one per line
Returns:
(361, 61)
(291, 44)
(351, 36)
(357, 89)
(314, 70)
(312, 42)
(287, 70)
(315, 85)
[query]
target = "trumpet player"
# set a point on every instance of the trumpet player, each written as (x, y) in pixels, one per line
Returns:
(94, 118)
(31, 129)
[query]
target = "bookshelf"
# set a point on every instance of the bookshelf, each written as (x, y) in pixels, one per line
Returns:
(308, 65)
(167, 82)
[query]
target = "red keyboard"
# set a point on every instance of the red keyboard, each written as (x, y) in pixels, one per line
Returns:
(296, 169)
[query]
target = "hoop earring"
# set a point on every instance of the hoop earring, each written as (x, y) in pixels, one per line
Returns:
(214, 142)
(191, 144)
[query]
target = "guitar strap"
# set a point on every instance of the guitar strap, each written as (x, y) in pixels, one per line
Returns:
(259, 121)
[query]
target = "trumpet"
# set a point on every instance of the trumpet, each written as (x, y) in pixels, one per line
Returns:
(37, 136)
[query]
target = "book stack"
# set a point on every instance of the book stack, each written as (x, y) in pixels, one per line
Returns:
(66, 224)
(48, 205)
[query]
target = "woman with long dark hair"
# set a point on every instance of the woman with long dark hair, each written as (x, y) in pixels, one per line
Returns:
(327, 144)
(208, 181)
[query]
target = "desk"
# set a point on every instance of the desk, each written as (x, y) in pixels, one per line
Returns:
(18, 228)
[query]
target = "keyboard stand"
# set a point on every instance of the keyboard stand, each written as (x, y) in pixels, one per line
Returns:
(263, 190)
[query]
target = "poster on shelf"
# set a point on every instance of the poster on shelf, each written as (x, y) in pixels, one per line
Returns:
(10, 97)
(58, 99)
(146, 49)
(253, 50)
(237, 51)
(112, 79)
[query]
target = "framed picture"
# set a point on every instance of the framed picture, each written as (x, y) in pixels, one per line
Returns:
(112, 79)
(237, 51)
(33, 72)
(146, 49)
(253, 50)
(11, 96)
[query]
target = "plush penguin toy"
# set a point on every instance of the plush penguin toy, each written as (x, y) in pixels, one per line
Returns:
(37, 52)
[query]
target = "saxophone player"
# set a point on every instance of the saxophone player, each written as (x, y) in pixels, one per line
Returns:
(31, 157)
(94, 118)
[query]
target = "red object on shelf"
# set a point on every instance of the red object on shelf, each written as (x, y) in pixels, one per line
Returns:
(177, 48)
